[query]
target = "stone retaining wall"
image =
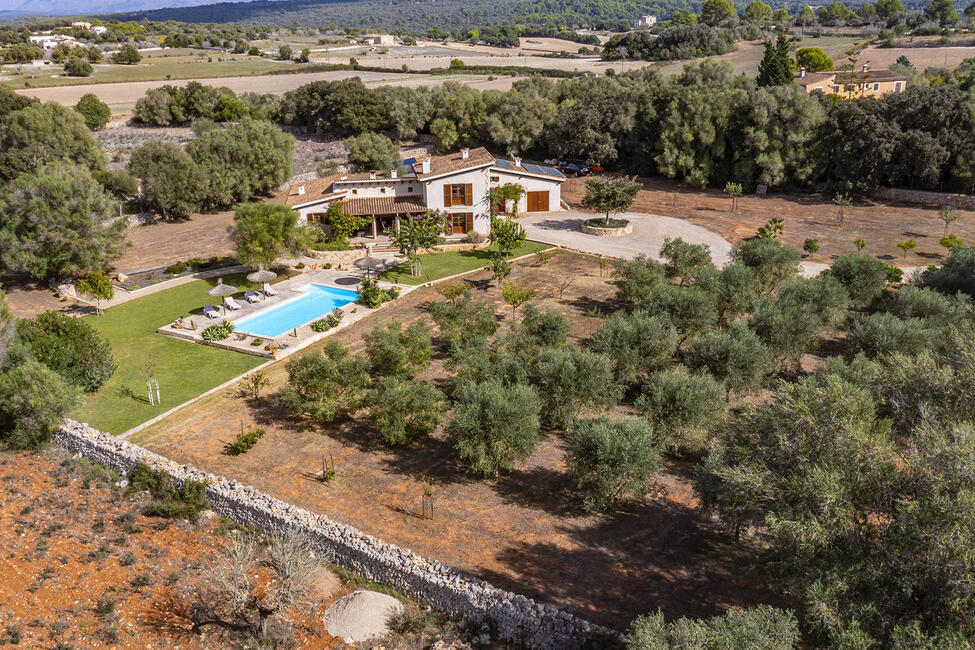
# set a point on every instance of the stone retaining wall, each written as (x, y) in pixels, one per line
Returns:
(514, 618)
(607, 232)
(961, 201)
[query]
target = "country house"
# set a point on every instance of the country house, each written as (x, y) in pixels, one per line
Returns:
(458, 183)
(862, 83)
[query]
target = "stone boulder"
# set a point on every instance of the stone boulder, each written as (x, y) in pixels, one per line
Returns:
(360, 616)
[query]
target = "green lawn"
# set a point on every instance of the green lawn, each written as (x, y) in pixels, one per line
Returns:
(441, 265)
(184, 369)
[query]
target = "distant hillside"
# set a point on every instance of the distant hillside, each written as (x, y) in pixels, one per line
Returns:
(79, 7)
(412, 15)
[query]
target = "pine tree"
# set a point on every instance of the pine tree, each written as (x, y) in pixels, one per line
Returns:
(775, 68)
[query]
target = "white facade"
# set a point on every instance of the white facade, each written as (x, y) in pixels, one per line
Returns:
(645, 22)
(457, 184)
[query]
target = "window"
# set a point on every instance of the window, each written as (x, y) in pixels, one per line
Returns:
(495, 179)
(409, 188)
(316, 217)
(898, 85)
(876, 86)
(836, 89)
(355, 191)
(382, 190)
(459, 194)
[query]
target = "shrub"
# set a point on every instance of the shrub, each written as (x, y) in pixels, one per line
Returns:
(395, 351)
(691, 310)
(612, 460)
(217, 332)
(167, 500)
(494, 425)
(244, 442)
(683, 407)
(772, 262)
(325, 324)
(34, 401)
(406, 410)
(862, 276)
(570, 379)
(176, 269)
(932, 306)
(478, 362)
(736, 357)
(543, 328)
(636, 278)
(69, 347)
(95, 112)
(327, 386)
(811, 246)
(636, 343)
(759, 628)
(883, 333)
(77, 67)
(464, 321)
(371, 295)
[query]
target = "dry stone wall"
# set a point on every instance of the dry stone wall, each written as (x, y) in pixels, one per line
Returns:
(960, 201)
(513, 617)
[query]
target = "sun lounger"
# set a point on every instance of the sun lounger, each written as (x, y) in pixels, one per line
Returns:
(211, 312)
(252, 296)
(268, 290)
(231, 304)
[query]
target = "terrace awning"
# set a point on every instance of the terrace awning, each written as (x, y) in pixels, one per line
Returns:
(371, 206)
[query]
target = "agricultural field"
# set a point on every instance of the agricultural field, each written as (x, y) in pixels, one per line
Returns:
(163, 66)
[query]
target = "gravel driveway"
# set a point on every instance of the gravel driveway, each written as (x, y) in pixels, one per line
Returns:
(649, 232)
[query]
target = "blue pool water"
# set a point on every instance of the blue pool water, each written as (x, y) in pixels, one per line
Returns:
(317, 301)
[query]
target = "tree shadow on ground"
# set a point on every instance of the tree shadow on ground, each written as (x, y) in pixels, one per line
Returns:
(574, 224)
(657, 555)
(433, 460)
(542, 488)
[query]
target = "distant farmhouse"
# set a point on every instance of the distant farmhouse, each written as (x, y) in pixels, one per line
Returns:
(863, 83)
(378, 39)
(50, 41)
(457, 183)
(645, 22)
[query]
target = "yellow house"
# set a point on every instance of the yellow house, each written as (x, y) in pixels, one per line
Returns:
(862, 83)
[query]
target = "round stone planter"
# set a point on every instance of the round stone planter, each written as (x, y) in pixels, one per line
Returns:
(598, 231)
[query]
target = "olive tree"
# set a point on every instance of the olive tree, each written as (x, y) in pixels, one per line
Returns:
(608, 195)
(570, 379)
(494, 425)
(405, 410)
(636, 344)
(683, 407)
(329, 385)
(394, 351)
(736, 357)
(612, 461)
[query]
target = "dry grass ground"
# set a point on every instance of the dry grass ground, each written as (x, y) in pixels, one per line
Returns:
(82, 568)
(524, 531)
(880, 225)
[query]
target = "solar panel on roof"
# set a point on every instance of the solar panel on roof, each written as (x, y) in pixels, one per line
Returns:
(541, 169)
(409, 162)
(501, 162)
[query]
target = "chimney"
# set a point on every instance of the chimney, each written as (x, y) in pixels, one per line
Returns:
(517, 161)
(372, 175)
(465, 153)
(426, 166)
(802, 71)
(393, 173)
(301, 190)
(866, 67)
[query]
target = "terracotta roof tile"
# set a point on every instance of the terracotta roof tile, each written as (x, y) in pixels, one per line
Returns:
(316, 189)
(454, 162)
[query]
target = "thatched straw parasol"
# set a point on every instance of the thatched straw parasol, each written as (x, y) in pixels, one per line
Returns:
(261, 275)
(221, 291)
(370, 264)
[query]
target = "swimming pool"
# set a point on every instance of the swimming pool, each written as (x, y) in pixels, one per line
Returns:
(317, 300)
